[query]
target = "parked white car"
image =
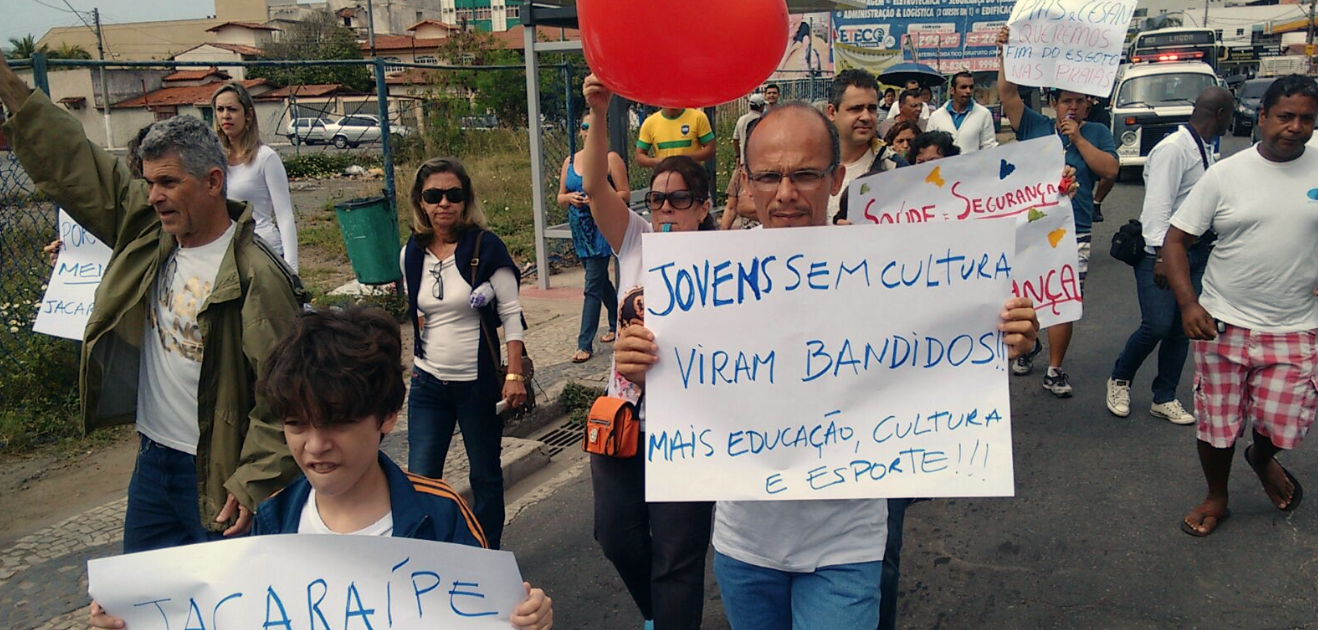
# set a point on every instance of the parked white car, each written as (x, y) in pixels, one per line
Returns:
(349, 131)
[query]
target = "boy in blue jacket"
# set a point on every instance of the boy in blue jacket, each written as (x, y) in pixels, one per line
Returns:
(336, 382)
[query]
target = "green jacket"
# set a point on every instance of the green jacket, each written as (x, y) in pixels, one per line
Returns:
(254, 301)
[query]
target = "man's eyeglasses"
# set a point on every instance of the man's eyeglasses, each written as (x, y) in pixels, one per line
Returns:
(433, 195)
(804, 179)
(678, 199)
(437, 289)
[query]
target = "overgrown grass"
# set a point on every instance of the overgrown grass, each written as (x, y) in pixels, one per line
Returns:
(576, 400)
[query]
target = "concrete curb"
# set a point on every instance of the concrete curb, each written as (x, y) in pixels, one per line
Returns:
(519, 459)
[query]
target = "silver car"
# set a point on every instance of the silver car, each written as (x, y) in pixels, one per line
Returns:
(308, 130)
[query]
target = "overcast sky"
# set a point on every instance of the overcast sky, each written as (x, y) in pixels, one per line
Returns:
(22, 17)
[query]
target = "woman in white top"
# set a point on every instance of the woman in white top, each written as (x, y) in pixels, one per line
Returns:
(451, 264)
(256, 174)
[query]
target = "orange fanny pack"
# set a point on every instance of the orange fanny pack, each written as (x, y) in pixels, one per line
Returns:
(612, 428)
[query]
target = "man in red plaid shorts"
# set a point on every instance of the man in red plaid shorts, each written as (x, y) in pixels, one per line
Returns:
(1255, 325)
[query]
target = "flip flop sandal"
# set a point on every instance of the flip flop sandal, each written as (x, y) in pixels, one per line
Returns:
(609, 337)
(1297, 492)
(578, 358)
(1185, 527)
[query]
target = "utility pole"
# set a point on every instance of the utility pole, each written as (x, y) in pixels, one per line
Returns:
(1206, 13)
(370, 25)
(105, 92)
(1308, 47)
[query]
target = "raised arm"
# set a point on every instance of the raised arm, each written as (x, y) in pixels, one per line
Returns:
(610, 213)
(1013, 106)
(618, 171)
(94, 187)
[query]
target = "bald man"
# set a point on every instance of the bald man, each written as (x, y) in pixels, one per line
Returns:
(1175, 165)
(826, 573)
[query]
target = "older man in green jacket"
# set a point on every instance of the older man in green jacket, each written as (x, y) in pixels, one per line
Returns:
(187, 312)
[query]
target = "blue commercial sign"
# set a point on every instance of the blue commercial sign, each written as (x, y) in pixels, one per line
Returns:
(949, 35)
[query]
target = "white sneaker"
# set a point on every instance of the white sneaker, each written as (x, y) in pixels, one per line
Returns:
(1173, 412)
(1118, 397)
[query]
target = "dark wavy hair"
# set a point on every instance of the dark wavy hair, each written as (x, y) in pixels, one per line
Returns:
(336, 366)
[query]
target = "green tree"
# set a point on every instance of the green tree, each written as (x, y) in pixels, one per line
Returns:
(315, 38)
(23, 48)
(65, 51)
(502, 92)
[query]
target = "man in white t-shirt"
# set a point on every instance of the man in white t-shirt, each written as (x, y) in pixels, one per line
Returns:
(800, 564)
(853, 106)
(1256, 322)
(186, 312)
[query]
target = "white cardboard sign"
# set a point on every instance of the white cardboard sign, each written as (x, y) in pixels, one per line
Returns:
(827, 363)
(1068, 44)
(71, 292)
(1017, 183)
(310, 581)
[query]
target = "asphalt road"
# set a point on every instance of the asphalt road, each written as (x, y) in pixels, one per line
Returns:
(1091, 539)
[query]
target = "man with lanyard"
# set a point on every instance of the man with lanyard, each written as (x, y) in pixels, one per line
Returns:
(1092, 153)
(970, 123)
(1175, 165)
(853, 107)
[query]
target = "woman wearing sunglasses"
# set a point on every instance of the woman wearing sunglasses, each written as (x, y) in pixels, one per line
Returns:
(447, 264)
(591, 247)
(657, 548)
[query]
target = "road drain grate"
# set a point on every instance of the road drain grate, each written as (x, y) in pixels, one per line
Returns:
(565, 435)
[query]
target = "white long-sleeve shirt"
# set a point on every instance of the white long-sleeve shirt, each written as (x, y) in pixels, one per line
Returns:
(263, 183)
(976, 132)
(452, 331)
(1173, 168)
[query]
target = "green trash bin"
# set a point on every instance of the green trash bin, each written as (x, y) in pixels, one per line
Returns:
(370, 232)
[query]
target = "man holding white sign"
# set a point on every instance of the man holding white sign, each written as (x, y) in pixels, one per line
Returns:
(795, 564)
(1092, 153)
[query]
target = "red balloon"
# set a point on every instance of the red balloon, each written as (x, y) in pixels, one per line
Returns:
(683, 53)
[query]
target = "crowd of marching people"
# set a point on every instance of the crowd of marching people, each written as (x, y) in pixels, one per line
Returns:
(256, 416)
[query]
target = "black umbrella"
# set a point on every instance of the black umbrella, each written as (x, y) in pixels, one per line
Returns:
(899, 74)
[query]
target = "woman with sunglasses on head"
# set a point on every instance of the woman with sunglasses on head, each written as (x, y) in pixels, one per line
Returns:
(256, 174)
(451, 265)
(657, 548)
(591, 247)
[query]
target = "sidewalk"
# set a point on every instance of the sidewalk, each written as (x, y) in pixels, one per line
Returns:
(43, 577)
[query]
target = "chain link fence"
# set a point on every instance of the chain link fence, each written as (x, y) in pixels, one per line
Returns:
(27, 223)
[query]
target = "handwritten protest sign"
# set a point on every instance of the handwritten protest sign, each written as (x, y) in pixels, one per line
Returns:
(71, 293)
(1015, 182)
(310, 581)
(827, 363)
(1068, 44)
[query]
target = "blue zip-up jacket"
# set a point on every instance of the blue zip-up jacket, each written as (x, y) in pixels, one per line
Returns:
(423, 508)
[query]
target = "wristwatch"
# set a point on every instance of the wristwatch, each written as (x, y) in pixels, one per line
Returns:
(515, 377)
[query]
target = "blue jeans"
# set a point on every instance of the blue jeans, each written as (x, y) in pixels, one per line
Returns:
(839, 597)
(434, 408)
(162, 501)
(892, 564)
(1160, 327)
(599, 290)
